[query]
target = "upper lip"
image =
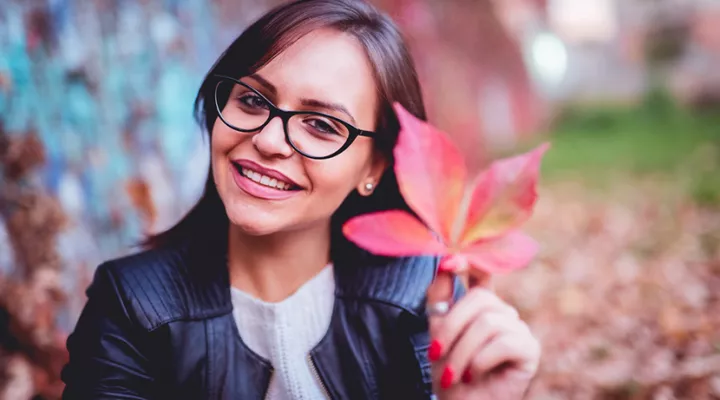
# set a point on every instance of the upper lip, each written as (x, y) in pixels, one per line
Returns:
(265, 171)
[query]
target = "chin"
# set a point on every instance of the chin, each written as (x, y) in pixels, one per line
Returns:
(252, 223)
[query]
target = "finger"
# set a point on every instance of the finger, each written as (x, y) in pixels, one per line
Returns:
(447, 330)
(520, 351)
(480, 332)
(480, 279)
(441, 289)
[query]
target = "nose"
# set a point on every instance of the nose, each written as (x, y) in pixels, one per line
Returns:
(270, 141)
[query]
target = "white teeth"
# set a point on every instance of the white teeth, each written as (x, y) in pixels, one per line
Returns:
(265, 180)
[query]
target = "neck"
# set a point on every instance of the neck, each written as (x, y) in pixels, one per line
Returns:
(273, 267)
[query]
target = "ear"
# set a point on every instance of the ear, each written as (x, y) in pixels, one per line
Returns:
(378, 164)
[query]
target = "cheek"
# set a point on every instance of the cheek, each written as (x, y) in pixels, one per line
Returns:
(222, 143)
(338, 176)
(223, 139)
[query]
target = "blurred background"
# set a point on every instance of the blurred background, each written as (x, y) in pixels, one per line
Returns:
(98, 147)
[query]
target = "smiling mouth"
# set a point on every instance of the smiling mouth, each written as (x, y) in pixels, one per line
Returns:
(264, 180)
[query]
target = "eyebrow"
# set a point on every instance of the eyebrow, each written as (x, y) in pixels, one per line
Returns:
(328, 106)
(305, 102)
(264, 82)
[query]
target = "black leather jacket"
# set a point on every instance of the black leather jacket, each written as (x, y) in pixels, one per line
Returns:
(159, 325)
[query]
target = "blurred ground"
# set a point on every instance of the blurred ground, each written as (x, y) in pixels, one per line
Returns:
(97, 146)
(625, 294)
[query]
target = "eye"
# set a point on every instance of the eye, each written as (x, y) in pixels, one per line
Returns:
(252, 101)
(322, 126)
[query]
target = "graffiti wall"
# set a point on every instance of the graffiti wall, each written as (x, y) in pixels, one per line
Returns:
(107, 88)
(98, 146)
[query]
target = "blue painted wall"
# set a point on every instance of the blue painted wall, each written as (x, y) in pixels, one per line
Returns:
(109, 86)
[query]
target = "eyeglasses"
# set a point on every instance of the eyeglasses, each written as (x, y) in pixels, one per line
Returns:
(314, 135)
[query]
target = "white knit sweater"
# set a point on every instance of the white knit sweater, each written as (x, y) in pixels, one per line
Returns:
(285, 332)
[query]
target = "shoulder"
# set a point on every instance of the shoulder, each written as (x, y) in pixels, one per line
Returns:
(162, 285)
(397, 282)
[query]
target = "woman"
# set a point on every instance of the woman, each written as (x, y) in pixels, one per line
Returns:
(255, 293)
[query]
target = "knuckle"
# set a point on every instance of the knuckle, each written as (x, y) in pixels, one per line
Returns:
(507, 342)
(537, 346)
(489, 298)
(484, 293)
(511, 310)
(499, 322)
(517, 326)
(524, 328)
(490, 320)
(449, 328)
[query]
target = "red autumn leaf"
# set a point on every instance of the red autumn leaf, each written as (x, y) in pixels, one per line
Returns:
(473, 226)
(504, 196)
(502, 254)
(427, 164)
(393, 233)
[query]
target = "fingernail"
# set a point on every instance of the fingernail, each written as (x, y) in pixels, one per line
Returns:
(466, 377)
(446, 265)
(447, 378)
(435, 350)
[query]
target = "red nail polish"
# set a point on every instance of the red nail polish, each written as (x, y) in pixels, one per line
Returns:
(435, 350)
(446, 265)
(447, 378)
(466, 377)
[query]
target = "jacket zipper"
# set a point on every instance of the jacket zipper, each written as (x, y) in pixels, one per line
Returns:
(272, 376)
(315, 373)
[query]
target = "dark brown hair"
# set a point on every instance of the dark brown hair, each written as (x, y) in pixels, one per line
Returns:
(396, 81)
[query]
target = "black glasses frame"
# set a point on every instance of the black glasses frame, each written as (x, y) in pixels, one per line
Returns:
(285, 116)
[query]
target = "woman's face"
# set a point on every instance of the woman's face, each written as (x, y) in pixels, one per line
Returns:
(324, 68)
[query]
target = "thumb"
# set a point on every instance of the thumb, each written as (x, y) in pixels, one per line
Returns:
(440, 290)
(480, 279)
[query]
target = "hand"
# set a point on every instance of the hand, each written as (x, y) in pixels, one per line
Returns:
(480, 349)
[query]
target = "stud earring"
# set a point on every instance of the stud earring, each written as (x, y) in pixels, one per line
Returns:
(369, 187)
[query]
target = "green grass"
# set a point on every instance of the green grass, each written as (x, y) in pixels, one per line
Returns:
(658, 139)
